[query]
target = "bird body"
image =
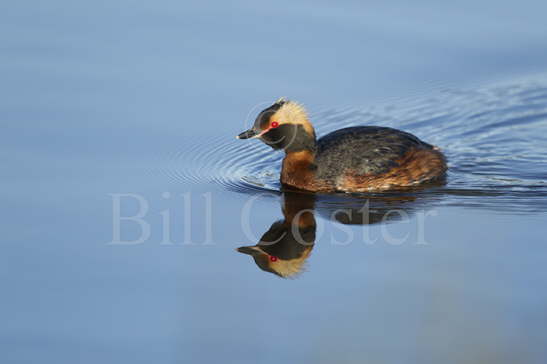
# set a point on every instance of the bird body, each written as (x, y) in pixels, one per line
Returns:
(354, 159)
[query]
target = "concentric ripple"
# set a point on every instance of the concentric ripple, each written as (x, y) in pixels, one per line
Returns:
(235, 166)
(495, 140)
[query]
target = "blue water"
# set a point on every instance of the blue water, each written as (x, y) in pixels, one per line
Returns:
(142, 99)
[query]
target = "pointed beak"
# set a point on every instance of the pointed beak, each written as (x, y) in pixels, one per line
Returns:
(247, 250)
(251, 133)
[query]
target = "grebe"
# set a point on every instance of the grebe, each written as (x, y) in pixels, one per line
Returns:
(354, 159)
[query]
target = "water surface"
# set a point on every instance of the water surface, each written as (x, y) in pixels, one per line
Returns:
(144, 99)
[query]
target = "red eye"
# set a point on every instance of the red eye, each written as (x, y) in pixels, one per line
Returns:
(273, 259)
(274, 124)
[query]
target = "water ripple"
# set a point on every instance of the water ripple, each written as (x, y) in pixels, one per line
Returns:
(495, 140)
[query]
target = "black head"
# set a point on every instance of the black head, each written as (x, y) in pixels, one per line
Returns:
(283, 125)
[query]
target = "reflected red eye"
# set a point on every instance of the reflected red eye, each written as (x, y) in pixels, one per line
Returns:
(273, 259)
(274, 124)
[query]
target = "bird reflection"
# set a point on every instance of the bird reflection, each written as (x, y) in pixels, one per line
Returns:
(285, 247)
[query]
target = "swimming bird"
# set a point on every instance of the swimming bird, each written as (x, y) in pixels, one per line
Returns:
(353, 159)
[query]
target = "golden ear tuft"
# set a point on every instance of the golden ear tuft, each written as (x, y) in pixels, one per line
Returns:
(291, 112)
